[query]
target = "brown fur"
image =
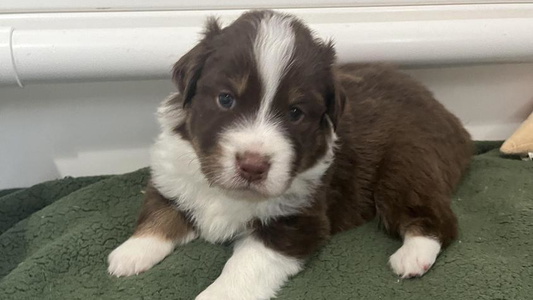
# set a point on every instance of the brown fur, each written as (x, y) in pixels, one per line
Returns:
(400, 156)
(408, 151)
(160, 218)
(298, 235)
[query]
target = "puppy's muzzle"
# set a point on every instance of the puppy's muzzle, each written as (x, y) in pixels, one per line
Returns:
(252, 166)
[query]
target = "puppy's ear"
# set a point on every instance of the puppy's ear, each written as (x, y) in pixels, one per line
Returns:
(188, 69)
(335, 97)
(335, 102)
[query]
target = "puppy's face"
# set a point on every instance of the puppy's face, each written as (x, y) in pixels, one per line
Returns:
(258, 102)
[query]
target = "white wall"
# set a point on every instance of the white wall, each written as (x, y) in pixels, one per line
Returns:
(491, 100)
(54, 130)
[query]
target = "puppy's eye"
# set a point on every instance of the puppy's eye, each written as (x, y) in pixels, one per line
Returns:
(295, 114)
(226, 101)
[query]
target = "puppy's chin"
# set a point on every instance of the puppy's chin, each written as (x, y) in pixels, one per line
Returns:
(251, 191)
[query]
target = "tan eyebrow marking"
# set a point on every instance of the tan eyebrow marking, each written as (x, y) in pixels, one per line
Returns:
(316, 94)
(295, 94)
(239, 83)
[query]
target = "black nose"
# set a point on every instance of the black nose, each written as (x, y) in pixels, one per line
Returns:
(253, 166)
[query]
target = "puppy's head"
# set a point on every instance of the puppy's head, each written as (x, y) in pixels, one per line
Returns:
(257, 101)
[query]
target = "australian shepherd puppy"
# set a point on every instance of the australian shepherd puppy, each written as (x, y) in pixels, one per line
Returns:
(270, 144)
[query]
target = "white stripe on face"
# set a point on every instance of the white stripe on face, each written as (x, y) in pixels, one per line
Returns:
(273, 50)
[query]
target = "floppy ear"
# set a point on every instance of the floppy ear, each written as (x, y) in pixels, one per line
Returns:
(335, 102)
(335, 96)
(188, 69)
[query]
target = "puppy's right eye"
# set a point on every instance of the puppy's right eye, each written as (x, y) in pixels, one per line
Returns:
(226, 101)
(295, 114)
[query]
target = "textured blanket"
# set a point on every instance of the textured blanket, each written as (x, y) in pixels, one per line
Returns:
(55, 238)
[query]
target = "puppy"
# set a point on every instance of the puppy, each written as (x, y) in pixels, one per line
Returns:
(270, 145)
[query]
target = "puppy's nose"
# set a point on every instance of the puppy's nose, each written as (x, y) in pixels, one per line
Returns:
(253, 166)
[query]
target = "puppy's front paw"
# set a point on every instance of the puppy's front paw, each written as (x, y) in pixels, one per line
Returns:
(223, 290)
(137, 255)
(207, 296)
(218, 292)
(415, 257)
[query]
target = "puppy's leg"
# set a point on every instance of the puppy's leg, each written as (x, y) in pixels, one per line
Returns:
(254, 271)
(413, 200)
(262, 262)
(160, 228)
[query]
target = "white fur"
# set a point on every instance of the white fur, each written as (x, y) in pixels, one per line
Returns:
(273, 50)
(138, 254)
(221, 214)
(415, 257)
(253, 272)
(170, 115)
(264, 138)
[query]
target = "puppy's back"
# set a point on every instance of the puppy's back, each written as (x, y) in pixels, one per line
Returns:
(386, 107)
(391, 120)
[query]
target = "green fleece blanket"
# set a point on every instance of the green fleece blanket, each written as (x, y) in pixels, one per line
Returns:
(55, 238)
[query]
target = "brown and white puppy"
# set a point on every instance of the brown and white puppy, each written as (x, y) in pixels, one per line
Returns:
(269, 144)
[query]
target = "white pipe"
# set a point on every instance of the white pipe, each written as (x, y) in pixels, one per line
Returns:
(60, 55)
(99, 54)
(434, 42)
(8, 72)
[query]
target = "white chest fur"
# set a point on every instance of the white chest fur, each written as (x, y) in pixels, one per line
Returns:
(220, 215)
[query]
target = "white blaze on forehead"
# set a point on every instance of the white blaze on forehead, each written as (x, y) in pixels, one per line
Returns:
(273, 50)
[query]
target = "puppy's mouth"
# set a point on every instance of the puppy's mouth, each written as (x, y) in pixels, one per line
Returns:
(249, 173)
(242, 187)
(257, 189)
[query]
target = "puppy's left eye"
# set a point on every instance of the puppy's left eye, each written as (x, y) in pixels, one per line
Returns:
(295, 114)
(226, 101)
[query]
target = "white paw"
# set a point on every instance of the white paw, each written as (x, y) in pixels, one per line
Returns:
(253, 272)
(415, 257)
(137, 255)
(206, 295)
(218, 291)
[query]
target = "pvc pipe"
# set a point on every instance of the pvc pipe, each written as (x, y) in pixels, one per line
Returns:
(62, 55)
(99, 54)
(8, 72)
(434, 42)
